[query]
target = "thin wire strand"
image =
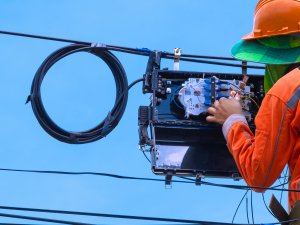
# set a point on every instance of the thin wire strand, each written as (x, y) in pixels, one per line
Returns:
(251, 202)
(263, 197)
(237, 208)
(96, 215)
(284, 181)
(146, 157)
(247, 208)
(111, 216)
(252, 100)
(42, 219)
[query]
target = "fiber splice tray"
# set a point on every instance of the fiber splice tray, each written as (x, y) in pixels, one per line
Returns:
(174, 126)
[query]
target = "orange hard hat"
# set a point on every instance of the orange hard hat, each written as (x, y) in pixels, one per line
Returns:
(275, 17)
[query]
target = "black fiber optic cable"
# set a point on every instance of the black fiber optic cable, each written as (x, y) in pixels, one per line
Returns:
(135, 82)
(251, 203)
(263, 197)
(99, 215)
(141, 51)
(113, 117)
(171, 220)
(110, 216)
(181, 221)
(237, 208)
(247, 209)
(20, 224)
(286, 178)
(42, 219)
(93, 174)
(189, 180)
(216, 63)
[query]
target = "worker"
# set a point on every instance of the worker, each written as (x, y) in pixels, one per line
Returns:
(261, 157)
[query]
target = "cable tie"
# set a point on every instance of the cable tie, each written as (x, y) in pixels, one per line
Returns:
(28, 99)
(73, 138)
(107, 123)
(98, 45)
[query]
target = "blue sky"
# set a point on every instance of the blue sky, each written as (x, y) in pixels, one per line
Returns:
(79, 91)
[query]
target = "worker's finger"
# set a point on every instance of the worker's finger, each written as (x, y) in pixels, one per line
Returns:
(211, 119)
(216, 103)
(211, 110)
(222, 99)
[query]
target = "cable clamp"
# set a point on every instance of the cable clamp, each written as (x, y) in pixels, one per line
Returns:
(198, 179)
(168, 181)
(177, 55)
(98, 45)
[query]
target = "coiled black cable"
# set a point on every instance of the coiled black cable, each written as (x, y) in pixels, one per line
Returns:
(113, 117)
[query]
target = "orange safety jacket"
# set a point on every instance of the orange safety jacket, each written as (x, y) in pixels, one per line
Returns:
(261, 158)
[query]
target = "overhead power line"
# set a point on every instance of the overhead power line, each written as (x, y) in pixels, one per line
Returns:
(112, 216)
(190, 181)
(42, 219)
(140, 51)
(104, 215)
(20, 224)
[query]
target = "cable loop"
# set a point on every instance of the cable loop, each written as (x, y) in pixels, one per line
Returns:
(113, 117)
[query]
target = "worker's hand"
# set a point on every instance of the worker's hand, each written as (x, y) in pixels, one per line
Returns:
(223, 109)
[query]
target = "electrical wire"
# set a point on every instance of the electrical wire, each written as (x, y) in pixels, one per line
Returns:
(42, 219)
(191, 181)
(146, 157)
(215, 63)
(247, 209)
(134, 83)
(20, 224)
(251, 202)
(140, 51)
(97, 215)
(263, 197)
(237, 208)
(284, 181)
(113, 117)
(110, 216)
(93, 174)
(252, 100)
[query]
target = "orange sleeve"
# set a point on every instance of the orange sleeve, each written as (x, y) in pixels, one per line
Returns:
(260, 158)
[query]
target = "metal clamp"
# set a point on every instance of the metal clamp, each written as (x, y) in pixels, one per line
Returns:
(177, 55)
(198, 179)
(168, 181)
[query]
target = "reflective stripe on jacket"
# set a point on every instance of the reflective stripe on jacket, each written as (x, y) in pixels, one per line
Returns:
(261, 158)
